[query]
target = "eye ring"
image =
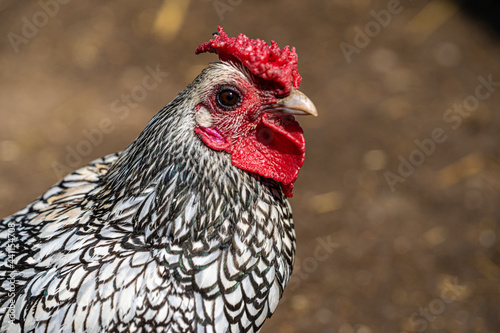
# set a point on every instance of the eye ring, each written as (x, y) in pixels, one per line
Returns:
(228, 98)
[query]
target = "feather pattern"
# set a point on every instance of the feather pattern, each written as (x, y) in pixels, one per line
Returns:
(167, 236)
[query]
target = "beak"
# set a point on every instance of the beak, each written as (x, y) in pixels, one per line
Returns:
(294, 104)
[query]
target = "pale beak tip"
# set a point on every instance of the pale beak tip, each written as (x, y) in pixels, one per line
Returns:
(299, 104)
(313, 111)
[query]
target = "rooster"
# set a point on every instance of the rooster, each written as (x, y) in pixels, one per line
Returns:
(186, 230)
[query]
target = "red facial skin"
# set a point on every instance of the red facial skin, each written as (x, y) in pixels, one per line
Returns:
(258, 142)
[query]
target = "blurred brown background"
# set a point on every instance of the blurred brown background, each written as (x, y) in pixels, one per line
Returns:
(397, 205)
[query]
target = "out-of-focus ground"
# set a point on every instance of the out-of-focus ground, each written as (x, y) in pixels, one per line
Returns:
(420, 255)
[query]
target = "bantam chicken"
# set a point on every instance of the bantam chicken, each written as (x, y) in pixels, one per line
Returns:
(186, 230)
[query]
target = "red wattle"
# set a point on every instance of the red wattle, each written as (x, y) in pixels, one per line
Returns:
(275, 149)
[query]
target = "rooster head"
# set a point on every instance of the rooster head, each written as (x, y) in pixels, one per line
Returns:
(248, 109)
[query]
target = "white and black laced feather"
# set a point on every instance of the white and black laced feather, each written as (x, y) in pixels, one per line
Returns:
(166, 236)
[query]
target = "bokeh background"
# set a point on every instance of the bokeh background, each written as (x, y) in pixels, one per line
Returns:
(383, 246)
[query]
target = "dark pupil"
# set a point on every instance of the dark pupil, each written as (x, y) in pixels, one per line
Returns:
(228, 98)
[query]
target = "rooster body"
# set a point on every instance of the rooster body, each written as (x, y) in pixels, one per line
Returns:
(166, 236)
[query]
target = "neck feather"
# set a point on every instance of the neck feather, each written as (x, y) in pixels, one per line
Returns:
(170, 187)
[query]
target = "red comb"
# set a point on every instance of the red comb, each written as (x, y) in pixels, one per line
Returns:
(267, 62)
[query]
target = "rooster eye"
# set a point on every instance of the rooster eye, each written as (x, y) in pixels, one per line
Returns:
(227, 98)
